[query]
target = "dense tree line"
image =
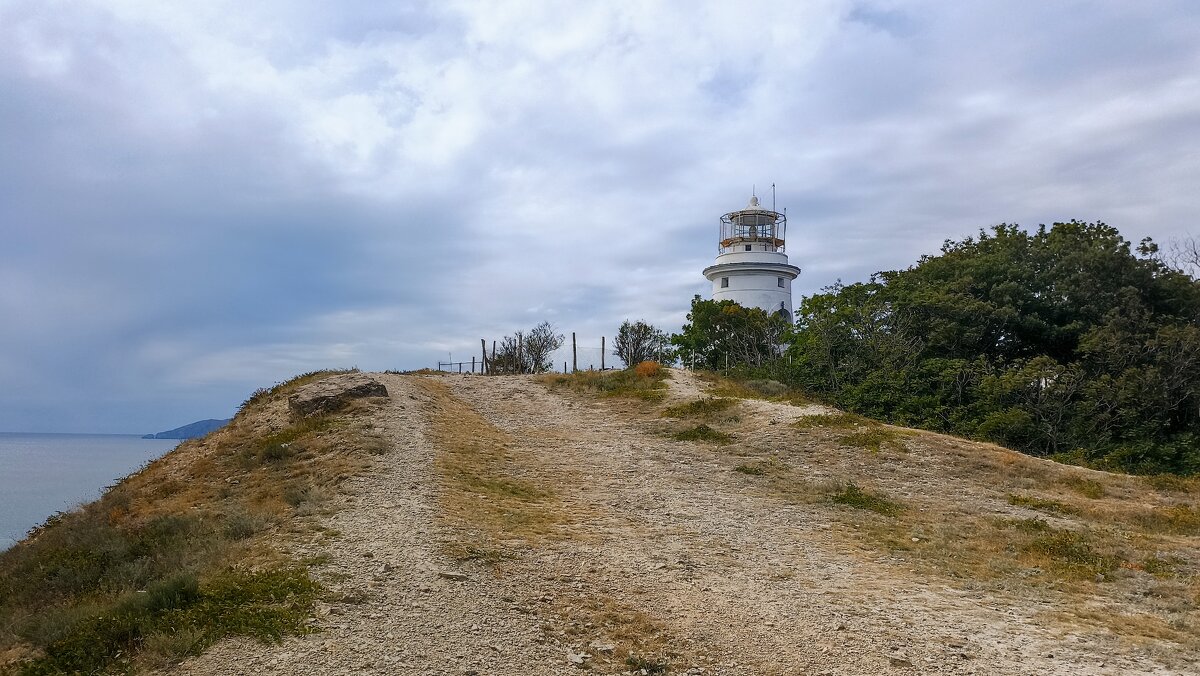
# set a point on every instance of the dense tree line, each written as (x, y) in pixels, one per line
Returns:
(1065, 341)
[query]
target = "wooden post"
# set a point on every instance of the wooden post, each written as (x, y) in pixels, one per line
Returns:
(601, 353)
(472, 363)
(493, 356)
(564, 367)
(574, 354)
(483, 367)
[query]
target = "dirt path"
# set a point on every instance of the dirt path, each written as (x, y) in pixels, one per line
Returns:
(662, 536)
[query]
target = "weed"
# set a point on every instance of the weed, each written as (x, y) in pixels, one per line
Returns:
(753, 470)
(703, 433)
(1041, 504)
(831, 420)
(853, 496)
(699, 408)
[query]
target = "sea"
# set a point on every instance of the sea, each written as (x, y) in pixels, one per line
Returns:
(41, 474)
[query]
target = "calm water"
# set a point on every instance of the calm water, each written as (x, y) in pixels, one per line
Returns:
(41, 474)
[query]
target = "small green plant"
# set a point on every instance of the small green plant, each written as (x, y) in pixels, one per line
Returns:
(1041, 504)
(762, 467)
(652, 666)
(703, 433)
(699, 408)
(853, 496)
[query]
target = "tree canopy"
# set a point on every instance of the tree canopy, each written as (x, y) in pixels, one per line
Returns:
(1062, 341)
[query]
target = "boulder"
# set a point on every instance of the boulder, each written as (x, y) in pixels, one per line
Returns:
(331, 394)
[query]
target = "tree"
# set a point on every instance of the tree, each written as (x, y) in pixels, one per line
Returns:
(528, 352)
(540, 344)
(723, 334)
(638, 341)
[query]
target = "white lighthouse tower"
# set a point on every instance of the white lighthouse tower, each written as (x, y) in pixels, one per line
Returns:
(751, 267)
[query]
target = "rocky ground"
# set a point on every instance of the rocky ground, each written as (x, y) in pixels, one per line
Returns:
(657, 547)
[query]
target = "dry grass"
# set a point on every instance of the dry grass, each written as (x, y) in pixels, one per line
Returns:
(199, 525)
(649, 386)
(493, 494)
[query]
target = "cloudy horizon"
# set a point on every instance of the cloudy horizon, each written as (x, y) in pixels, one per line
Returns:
(201, 200)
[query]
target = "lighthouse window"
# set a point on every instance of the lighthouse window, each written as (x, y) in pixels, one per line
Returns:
(724, 282)
(747, 247)
(779, 280)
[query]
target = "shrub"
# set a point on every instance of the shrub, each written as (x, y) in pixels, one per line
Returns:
(648, 369)
(703, 433)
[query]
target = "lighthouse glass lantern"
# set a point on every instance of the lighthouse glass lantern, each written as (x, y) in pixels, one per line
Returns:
(752, 266)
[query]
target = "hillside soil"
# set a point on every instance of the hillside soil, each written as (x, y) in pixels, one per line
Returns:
(515, 527)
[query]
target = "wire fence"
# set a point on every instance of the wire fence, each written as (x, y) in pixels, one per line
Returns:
(572, 356)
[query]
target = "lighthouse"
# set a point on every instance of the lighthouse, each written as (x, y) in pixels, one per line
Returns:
(751, 267)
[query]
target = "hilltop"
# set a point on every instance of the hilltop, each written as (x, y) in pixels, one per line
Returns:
(648, 523)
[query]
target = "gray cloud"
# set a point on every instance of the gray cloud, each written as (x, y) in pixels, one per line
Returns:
(196, 201)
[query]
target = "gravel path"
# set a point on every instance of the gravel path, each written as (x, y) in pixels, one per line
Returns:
(737, 581)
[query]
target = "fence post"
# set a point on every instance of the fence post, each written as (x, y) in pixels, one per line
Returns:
(601, 353)
(574, 354)
(564, 367)
(493, 362)
(472, 363)
(483, 367)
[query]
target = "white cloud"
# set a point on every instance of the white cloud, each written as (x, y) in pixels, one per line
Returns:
(228, 191)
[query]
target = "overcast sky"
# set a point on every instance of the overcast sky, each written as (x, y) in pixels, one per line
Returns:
(201, 198)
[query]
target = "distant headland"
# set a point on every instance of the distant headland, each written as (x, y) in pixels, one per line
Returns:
(190, 431)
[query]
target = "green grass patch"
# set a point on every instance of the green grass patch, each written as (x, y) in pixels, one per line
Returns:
(1088, 488)
(1176, 519)
(762, 467)
(872, 438)
(703, 433)
(839, 421)
(851, 495)
(1071, 552)
(179, 616)
(1173, 483)
(699, 408)
(1041, 504)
